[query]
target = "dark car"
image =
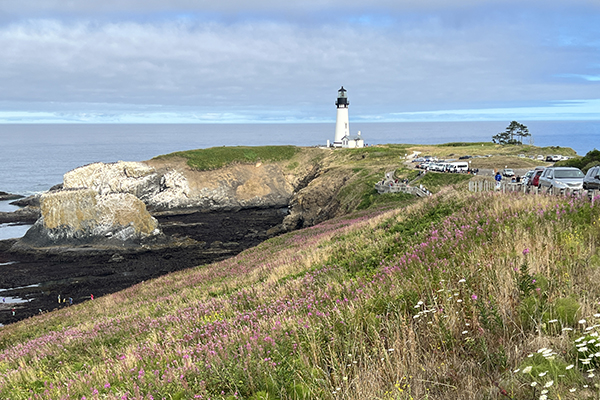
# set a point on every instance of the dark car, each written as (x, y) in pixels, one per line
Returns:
(464, 157)
(592, 179)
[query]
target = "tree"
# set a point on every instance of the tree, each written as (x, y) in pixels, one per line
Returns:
(513, 130)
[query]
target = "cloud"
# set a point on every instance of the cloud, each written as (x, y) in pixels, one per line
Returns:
(267, 61)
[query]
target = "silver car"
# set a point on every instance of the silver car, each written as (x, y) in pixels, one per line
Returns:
(562, 178)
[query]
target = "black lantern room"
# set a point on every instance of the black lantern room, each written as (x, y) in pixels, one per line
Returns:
(342, 100)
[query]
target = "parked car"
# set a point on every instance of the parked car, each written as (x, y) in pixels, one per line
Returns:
(561, 177)
(591, 181)
(525, 179)
(464, 157)
(540, 157)
(553, 158)
(507, 172)
(535, 178)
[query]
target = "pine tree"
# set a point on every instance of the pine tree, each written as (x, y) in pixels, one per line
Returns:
(513, 130)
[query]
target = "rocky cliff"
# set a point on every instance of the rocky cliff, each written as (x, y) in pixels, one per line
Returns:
(85, 216)
(112, 204)
(167, 186)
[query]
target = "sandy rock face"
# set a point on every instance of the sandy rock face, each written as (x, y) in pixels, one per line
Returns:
(80, 216)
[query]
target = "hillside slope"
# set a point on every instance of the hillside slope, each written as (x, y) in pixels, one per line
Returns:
(457, 296)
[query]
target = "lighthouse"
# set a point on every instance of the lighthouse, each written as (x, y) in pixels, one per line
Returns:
(342, 125)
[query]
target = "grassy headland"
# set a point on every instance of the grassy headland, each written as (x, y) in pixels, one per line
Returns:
(462, 296)
(218, 157)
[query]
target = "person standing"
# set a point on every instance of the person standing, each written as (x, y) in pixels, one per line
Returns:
(498, 179)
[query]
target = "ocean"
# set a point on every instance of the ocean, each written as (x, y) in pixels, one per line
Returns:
(34, 157)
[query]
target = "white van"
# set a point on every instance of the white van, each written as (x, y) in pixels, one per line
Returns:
(459, 167)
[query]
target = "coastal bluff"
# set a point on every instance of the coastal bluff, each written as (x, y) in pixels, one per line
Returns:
(173, 186)
(118, 204)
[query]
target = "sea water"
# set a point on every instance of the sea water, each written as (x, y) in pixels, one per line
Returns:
(34, 157)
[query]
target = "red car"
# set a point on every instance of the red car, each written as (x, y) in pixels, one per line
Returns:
(535, 179)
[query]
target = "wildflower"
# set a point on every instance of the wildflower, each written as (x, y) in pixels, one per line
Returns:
(465, 332)
(390, 350)
(597, 315)
(591, 375)
(527, 369)
(543, 397)
(552, 321)
(582, 321)
(569, 367)
(567, 329)
(525, 252)
(543, 349)
(542, 373)
(572, 390)
(516, 370)
(474, 296)
(548, 384)
(533, 384)
(582, 349)
(462, 281)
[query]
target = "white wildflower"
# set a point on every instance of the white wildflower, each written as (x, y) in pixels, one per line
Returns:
(582, 321)
(572, 390)
(569, 367)
(462, 281)
(542, 373)
(527, 369)
(533, 384)
(548, 384)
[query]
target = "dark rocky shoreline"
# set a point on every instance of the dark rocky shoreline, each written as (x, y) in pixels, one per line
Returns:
(39, 277)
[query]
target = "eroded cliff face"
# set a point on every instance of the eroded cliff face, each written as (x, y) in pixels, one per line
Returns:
(112, 203)
(84, 216)
(165, 186)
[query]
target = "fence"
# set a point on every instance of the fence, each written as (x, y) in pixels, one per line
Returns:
(489, 185)
(393, 187)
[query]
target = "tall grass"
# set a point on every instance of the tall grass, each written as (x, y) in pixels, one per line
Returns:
(451, 297)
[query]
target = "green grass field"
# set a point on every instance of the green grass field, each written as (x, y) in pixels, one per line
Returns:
(455, 296)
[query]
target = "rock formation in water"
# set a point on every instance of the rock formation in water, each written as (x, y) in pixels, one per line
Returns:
(86, 216)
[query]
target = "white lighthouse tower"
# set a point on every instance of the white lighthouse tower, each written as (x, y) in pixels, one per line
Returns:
(342, 125)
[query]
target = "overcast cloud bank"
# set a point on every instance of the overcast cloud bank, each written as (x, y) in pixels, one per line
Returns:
(187, 61)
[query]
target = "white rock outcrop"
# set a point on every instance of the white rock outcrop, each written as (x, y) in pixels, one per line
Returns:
(83, 216)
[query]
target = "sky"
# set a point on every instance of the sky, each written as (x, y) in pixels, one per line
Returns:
(206, 61)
